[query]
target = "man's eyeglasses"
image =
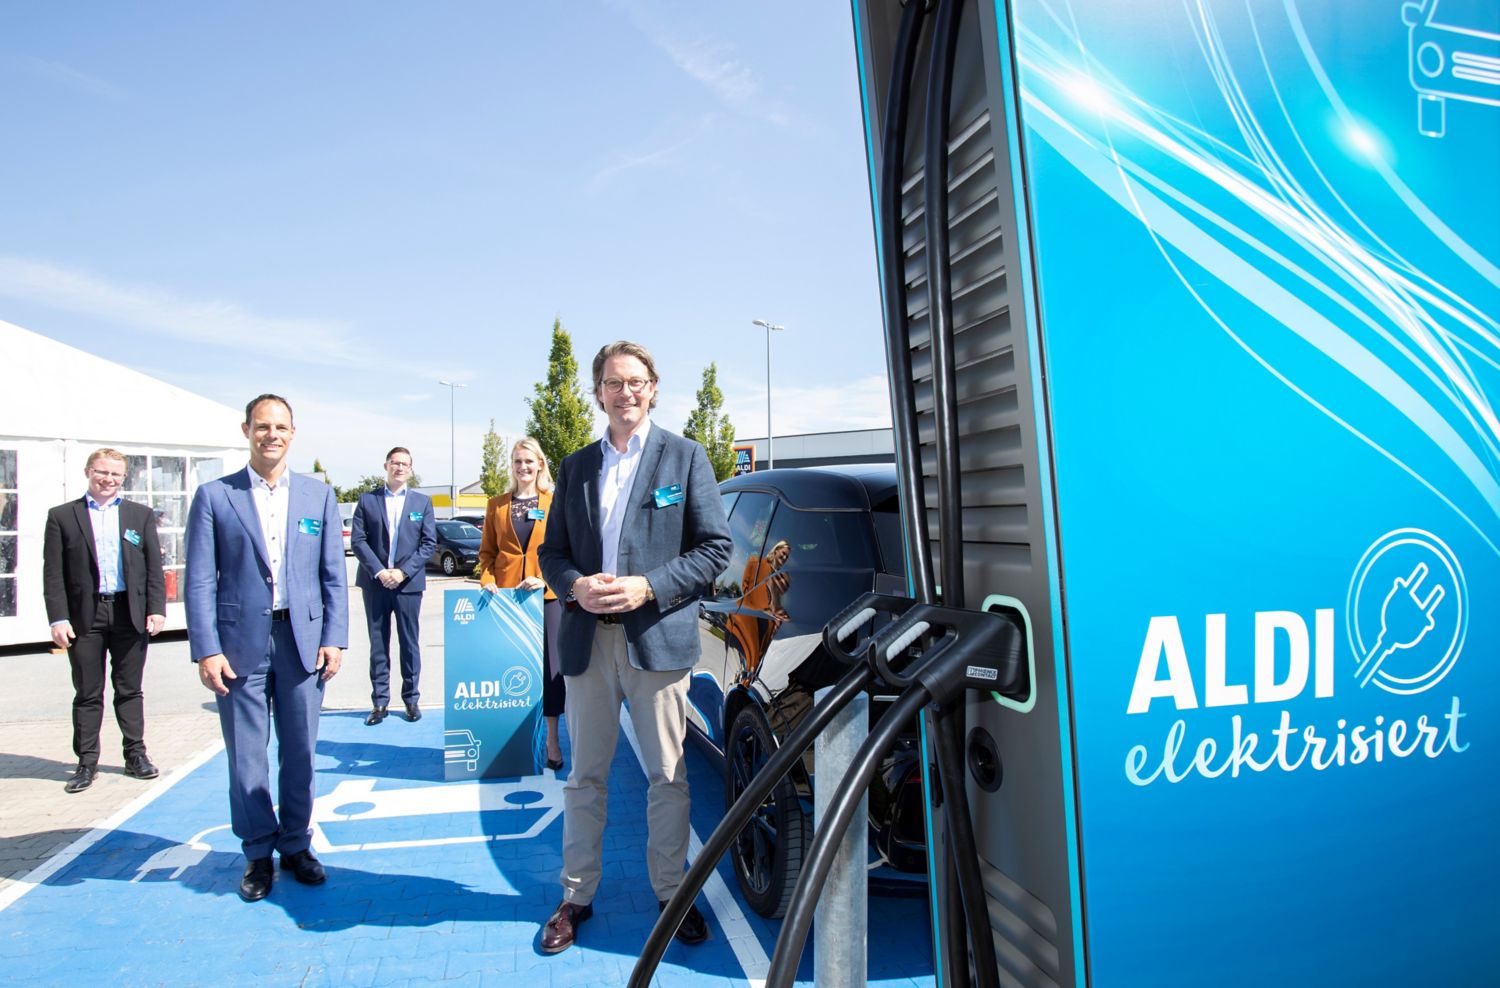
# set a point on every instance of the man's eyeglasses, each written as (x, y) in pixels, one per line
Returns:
(635, 384)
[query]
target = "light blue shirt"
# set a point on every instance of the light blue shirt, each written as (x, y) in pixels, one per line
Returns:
(395, 503)
(105, 519)
(616, 479)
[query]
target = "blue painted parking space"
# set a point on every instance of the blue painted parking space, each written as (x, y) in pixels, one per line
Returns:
(428, 882)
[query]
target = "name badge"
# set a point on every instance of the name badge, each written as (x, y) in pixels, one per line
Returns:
(415, 516)
(536, 514)
(310, 526)
(132, 536)
(669, 495)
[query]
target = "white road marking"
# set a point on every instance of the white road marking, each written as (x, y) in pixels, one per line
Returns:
(102, 829)
(742, 938)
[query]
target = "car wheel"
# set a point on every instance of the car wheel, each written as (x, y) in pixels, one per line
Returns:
(767, 854)
(450, 565)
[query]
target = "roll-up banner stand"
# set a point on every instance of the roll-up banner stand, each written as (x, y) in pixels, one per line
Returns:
(492, 662)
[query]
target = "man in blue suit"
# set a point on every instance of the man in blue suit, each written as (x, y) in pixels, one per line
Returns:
(268, 619)
(393, 536)
(637, 534)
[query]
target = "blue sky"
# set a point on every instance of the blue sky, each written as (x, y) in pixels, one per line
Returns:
(345, 202)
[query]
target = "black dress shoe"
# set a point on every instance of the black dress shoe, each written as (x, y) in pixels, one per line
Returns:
(304, 867)
(256, 884)
(82, 778)
(694, 928)
(562, 927)
(376, 716)
(413, 712)
(140, 767)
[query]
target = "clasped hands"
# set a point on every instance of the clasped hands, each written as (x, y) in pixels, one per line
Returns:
(605, 593)
(391, 578)
(214, 670)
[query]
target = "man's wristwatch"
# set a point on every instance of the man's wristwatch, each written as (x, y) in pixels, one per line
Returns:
(650, 594)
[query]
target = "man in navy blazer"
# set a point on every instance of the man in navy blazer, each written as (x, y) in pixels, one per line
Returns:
(268, 619)
(637, 534)
(392, 574)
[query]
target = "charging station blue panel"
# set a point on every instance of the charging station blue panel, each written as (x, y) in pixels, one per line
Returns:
(1266, 242)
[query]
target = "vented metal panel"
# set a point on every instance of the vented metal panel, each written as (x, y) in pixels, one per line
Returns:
(1022, 829)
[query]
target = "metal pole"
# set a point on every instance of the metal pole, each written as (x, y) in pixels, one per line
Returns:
(840, 921)
(770, 441)
(452, 387)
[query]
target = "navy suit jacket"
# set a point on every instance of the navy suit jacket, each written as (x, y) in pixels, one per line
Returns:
(679, 548)
(415, 539)
(229, 577)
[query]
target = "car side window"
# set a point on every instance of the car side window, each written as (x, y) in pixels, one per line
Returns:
(747, 526)
(820, 540)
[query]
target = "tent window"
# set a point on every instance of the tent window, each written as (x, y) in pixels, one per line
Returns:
(161, 483)
(8, 534)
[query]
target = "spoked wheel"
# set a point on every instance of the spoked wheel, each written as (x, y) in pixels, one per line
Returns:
(450, 565)
(767, 854)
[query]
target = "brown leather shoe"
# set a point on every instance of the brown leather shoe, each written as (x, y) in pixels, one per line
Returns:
(562, 927)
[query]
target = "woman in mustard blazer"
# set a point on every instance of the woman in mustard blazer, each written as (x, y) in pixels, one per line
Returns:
(514, 526)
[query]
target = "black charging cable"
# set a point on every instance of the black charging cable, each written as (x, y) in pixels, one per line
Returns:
(979, 650)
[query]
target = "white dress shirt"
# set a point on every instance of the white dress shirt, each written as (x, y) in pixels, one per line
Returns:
(616, 479)
(395, 503)
(271, 504)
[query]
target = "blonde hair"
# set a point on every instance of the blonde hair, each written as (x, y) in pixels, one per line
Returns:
(104, 453)
(544, 475)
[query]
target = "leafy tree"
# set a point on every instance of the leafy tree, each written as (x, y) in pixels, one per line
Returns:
(709, 425)
(367, 483)
(494, 474)
(562, 413)
(319, 472)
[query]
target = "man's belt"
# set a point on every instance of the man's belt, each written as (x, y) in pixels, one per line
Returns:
(609, 618)
(107, 597)
(281, 614)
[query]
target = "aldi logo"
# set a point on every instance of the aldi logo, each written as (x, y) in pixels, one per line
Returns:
(463, 610)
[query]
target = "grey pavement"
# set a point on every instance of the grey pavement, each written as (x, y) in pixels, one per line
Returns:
(38, 819)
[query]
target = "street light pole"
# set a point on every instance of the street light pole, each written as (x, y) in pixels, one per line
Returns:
(770, 443)
(452, 387)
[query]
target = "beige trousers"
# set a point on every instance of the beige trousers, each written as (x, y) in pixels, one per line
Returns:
(658, 709)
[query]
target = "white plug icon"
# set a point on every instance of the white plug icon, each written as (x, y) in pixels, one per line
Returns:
(1404, 620)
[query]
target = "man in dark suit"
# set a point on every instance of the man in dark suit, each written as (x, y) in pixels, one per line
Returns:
(105, 591)
(268, 619)
(393, 536)
(637, 533)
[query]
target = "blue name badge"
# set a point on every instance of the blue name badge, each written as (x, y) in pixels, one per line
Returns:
(667, 496)
(415, 516)
(310, 526)
(536, 514)
(132, 536)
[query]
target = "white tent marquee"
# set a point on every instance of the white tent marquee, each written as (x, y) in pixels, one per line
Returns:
(60, 404)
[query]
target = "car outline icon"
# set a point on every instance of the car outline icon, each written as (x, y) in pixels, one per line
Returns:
(1448, 61)
(461, 746)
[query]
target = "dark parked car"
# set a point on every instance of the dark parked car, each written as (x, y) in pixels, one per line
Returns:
(457, 548)
(807, 542)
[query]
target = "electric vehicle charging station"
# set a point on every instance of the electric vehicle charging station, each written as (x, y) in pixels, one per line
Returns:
(1199, 378)
(1192, 363)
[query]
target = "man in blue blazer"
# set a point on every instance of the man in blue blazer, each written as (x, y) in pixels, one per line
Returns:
(392, 574)
(637, 534)
(268, 619)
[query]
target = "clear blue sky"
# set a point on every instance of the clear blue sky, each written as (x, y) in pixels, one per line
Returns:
(344, 202)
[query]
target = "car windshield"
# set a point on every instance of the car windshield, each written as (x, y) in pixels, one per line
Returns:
(458, 530)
